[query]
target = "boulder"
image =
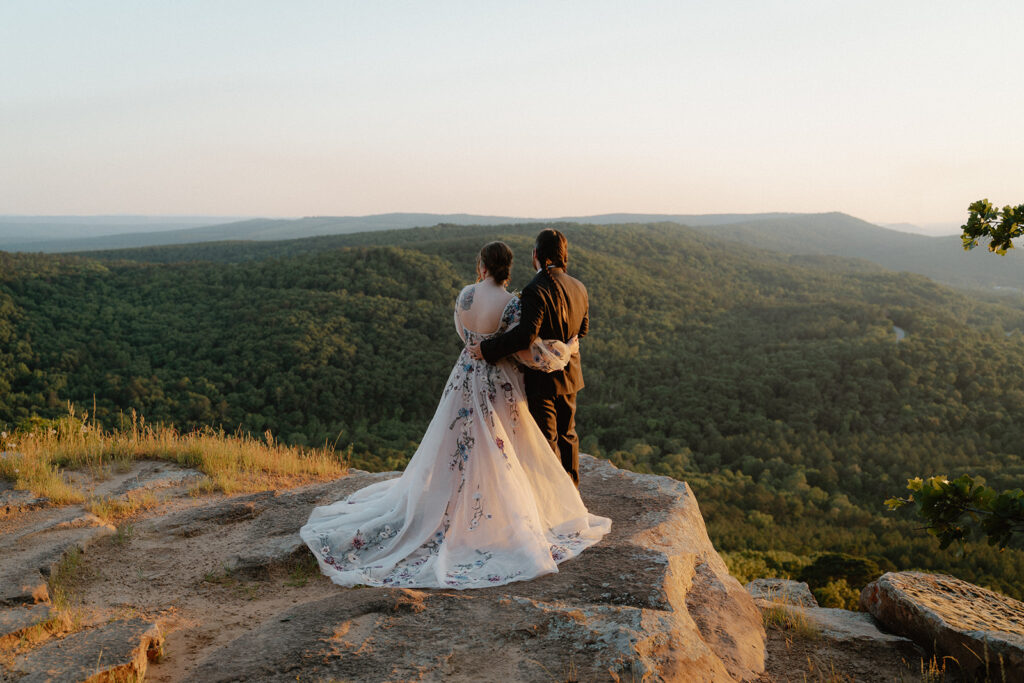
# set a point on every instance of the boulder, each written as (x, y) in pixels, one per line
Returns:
(116, 651)
(785, 591)
(653, 600)
(981, 629)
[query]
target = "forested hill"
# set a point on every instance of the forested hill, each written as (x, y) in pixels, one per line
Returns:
(774, 384)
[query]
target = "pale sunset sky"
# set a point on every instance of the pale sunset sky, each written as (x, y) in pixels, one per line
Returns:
(891, 111)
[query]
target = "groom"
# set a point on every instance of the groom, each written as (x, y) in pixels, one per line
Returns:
(554, 306)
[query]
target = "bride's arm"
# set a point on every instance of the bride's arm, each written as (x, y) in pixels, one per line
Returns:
(458, 325)
(455, 314)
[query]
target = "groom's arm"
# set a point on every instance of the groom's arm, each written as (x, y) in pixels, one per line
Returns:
(520, 336)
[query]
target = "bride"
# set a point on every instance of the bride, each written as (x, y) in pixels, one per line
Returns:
(484, 500)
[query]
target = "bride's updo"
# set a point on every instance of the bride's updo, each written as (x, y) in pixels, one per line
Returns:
(496, 257)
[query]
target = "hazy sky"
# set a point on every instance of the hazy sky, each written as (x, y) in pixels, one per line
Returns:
(901, 110)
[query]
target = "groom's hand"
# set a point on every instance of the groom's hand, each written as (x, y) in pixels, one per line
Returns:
(474, 351)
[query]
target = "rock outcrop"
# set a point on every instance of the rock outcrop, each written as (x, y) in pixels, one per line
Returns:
(653, 599)
(981, 629)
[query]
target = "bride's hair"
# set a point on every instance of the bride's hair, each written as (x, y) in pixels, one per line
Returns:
(496, 257)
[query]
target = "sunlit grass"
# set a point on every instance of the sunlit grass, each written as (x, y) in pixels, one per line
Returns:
(235, 463)
(790, 618)
(113, 510)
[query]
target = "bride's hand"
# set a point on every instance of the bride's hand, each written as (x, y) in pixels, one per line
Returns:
(574, 346)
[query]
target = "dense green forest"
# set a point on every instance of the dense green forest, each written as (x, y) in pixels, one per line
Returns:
(775, 385)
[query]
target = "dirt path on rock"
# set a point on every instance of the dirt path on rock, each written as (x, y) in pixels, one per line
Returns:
(183, 586)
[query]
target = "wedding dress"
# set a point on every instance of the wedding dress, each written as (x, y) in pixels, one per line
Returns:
(484, 501)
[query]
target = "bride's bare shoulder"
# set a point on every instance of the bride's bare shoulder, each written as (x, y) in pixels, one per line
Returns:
(465, 298)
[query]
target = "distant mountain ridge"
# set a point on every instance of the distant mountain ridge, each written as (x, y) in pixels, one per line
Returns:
(264, 229)
(832, 234)
(50, 233)
(926, 229)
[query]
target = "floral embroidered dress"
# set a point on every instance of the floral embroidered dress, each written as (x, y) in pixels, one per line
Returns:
(484, 501)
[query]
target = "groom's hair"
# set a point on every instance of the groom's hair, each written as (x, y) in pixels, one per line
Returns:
(552, 249)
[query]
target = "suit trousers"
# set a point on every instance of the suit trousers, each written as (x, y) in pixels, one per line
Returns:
(556, 417)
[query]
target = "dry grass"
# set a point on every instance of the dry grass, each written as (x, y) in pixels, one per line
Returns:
(114, 510)
(234, 463)
(63, 579)
(789, 618)
(933, 670)
(783, 614)
(826, 673)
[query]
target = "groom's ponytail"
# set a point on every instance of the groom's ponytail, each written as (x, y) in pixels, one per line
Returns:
(552, 249)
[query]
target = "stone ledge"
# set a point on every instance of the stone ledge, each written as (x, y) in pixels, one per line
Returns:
(119, 650)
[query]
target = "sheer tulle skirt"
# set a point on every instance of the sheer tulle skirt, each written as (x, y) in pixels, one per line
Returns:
(484, 501)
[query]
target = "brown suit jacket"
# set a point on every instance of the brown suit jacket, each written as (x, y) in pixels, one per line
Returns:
(554, 306)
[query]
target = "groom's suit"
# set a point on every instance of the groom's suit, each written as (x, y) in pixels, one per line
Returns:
(554, 306)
